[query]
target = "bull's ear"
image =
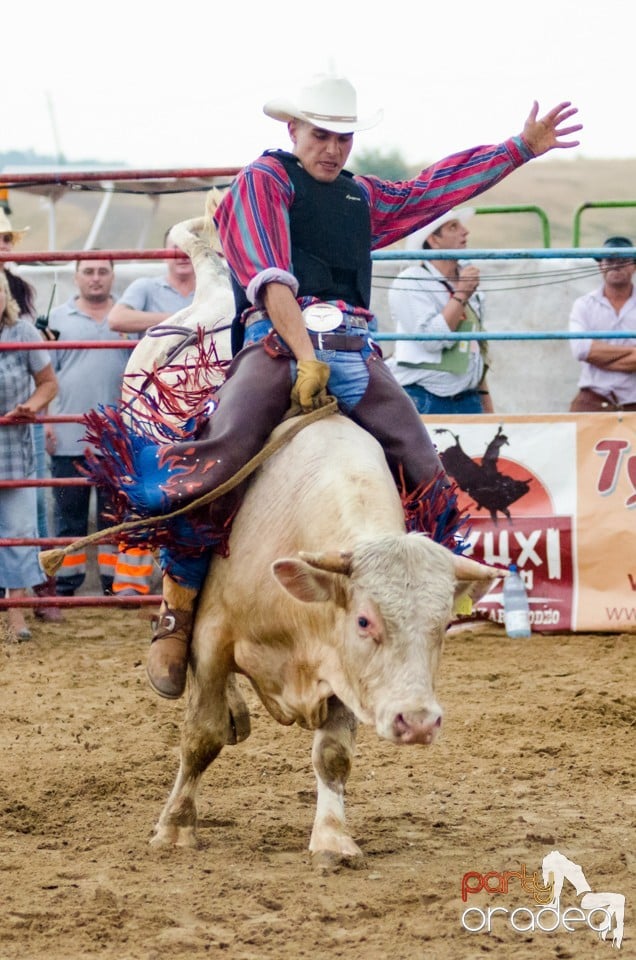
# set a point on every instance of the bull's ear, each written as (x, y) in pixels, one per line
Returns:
(304, 582)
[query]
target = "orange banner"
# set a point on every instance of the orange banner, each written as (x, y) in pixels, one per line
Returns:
(555, 494)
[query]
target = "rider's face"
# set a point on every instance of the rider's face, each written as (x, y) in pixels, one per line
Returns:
(322, 153)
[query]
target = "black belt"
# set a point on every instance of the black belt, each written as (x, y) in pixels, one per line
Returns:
(323, 341)
(336, 341)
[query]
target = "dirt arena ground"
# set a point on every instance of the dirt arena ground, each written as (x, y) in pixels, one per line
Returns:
(537, 754)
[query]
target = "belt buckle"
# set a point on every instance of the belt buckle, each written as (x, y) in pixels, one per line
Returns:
(322, 317)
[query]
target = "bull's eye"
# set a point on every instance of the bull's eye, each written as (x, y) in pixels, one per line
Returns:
(363, 623)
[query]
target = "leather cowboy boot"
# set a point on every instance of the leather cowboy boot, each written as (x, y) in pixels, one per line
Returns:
(169, 652)
(252, 401)
(387, 413)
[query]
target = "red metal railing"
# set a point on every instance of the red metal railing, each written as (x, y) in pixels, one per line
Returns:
(97, 176)
(59, 256)
(88, 600)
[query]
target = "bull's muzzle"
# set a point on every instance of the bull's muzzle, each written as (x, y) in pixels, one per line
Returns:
(421, 726)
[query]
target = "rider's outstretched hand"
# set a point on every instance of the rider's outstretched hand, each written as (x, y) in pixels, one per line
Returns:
(547, 132)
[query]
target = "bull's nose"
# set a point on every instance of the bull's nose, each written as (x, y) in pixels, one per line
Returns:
(420, 726)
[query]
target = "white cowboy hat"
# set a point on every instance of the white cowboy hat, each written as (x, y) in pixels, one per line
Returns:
(326, 101)
(415, 241)
(5, 227)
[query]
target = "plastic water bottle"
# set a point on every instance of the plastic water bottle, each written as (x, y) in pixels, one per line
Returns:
(515, 603)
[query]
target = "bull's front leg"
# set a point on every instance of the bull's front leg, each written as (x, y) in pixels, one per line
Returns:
(206, 729)
(332, 755)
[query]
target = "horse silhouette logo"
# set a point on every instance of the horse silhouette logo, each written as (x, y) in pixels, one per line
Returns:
(557, 869)
(603, 912)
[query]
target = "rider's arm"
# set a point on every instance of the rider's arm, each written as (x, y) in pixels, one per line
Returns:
(456, 179)
(285, 314)
(253, 225)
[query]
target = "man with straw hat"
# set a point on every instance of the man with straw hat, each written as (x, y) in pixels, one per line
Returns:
(297, 231)
(15, 235)
(21, 291)
(440, 297)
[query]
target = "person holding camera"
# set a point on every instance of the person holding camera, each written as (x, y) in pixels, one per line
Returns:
(24, 295)
(27, 385)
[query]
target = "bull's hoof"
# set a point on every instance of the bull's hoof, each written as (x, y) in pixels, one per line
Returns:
(170, 835)
(327, 861)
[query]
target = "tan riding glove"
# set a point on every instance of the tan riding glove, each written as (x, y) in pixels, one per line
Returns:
(309, 391)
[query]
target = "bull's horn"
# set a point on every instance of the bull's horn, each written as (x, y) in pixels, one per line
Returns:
(467, 569)
(333, 561)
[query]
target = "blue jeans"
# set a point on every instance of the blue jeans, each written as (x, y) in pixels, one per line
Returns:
(349, 372)
(463, 403)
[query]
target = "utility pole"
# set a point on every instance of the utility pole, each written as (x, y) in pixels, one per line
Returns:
(56, 139)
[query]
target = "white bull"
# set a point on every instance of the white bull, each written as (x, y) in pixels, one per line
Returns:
(333, 612)
(172, 346)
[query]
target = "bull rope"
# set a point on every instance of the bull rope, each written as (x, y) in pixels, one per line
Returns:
(51, 560)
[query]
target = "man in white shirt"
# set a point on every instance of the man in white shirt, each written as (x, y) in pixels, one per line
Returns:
(441, 297)
(608, 367)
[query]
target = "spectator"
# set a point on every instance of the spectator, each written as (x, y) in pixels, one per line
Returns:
(440, 296)
(608, 367)
(88, 378)
(19, 566)
(24, 295)
(149, 300)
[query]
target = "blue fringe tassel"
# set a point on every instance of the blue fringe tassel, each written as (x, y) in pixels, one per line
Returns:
(432, 509)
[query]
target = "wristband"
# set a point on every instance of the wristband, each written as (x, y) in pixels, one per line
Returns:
(459, 299)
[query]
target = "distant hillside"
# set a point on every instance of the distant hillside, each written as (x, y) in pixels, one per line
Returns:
(559, 187)
(29, 158)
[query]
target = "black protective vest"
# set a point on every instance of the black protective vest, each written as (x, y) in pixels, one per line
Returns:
(330, 230)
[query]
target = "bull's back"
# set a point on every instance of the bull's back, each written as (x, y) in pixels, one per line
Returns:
(328, 488)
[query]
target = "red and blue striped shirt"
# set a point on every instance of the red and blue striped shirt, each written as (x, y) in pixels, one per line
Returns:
(253, 218)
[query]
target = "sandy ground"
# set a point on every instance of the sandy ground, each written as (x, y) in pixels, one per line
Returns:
(537, 754)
